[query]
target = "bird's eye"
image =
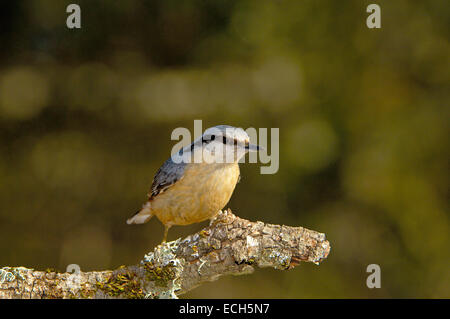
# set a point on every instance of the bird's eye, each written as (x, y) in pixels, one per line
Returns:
(224, 140)
(206, 140)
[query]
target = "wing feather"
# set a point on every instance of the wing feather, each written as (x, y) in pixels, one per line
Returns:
(166, 176)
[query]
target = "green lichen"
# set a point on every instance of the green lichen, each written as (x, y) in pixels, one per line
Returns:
(86, 292)
(250, 261)
(55, 292)
(275, 258)
(12, 273)
(51, 270)
(124, 284)
(161, 276)
(204, 233)
(162, 270)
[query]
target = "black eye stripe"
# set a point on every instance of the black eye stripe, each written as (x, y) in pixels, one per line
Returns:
(224, 140)
(229, 141)
(206, 141)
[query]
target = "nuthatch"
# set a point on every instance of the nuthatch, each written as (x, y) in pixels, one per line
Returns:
(197, 182)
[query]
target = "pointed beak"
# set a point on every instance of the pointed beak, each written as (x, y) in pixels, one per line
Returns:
(253, 147)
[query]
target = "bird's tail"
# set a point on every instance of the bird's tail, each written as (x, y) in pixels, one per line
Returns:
(141, 216)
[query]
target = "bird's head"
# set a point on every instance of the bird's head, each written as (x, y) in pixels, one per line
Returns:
(223, 144)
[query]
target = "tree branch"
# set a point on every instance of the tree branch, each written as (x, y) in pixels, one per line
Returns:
(228, 246)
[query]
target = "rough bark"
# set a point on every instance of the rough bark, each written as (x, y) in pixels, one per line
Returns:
(229, 245)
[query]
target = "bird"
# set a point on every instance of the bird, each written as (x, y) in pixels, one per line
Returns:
(196, 183)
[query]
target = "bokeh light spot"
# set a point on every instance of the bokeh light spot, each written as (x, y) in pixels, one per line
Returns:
(23, 93)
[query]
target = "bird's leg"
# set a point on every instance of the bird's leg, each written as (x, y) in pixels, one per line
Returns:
(166, 230)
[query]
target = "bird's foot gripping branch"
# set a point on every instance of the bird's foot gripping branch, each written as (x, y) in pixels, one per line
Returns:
(229, 245)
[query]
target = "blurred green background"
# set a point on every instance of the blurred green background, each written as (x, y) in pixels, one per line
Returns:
(86, 117)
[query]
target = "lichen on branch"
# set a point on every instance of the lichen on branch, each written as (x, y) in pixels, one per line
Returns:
(228, 246)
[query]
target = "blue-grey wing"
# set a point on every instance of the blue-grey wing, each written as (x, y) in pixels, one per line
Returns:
(167, 175)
